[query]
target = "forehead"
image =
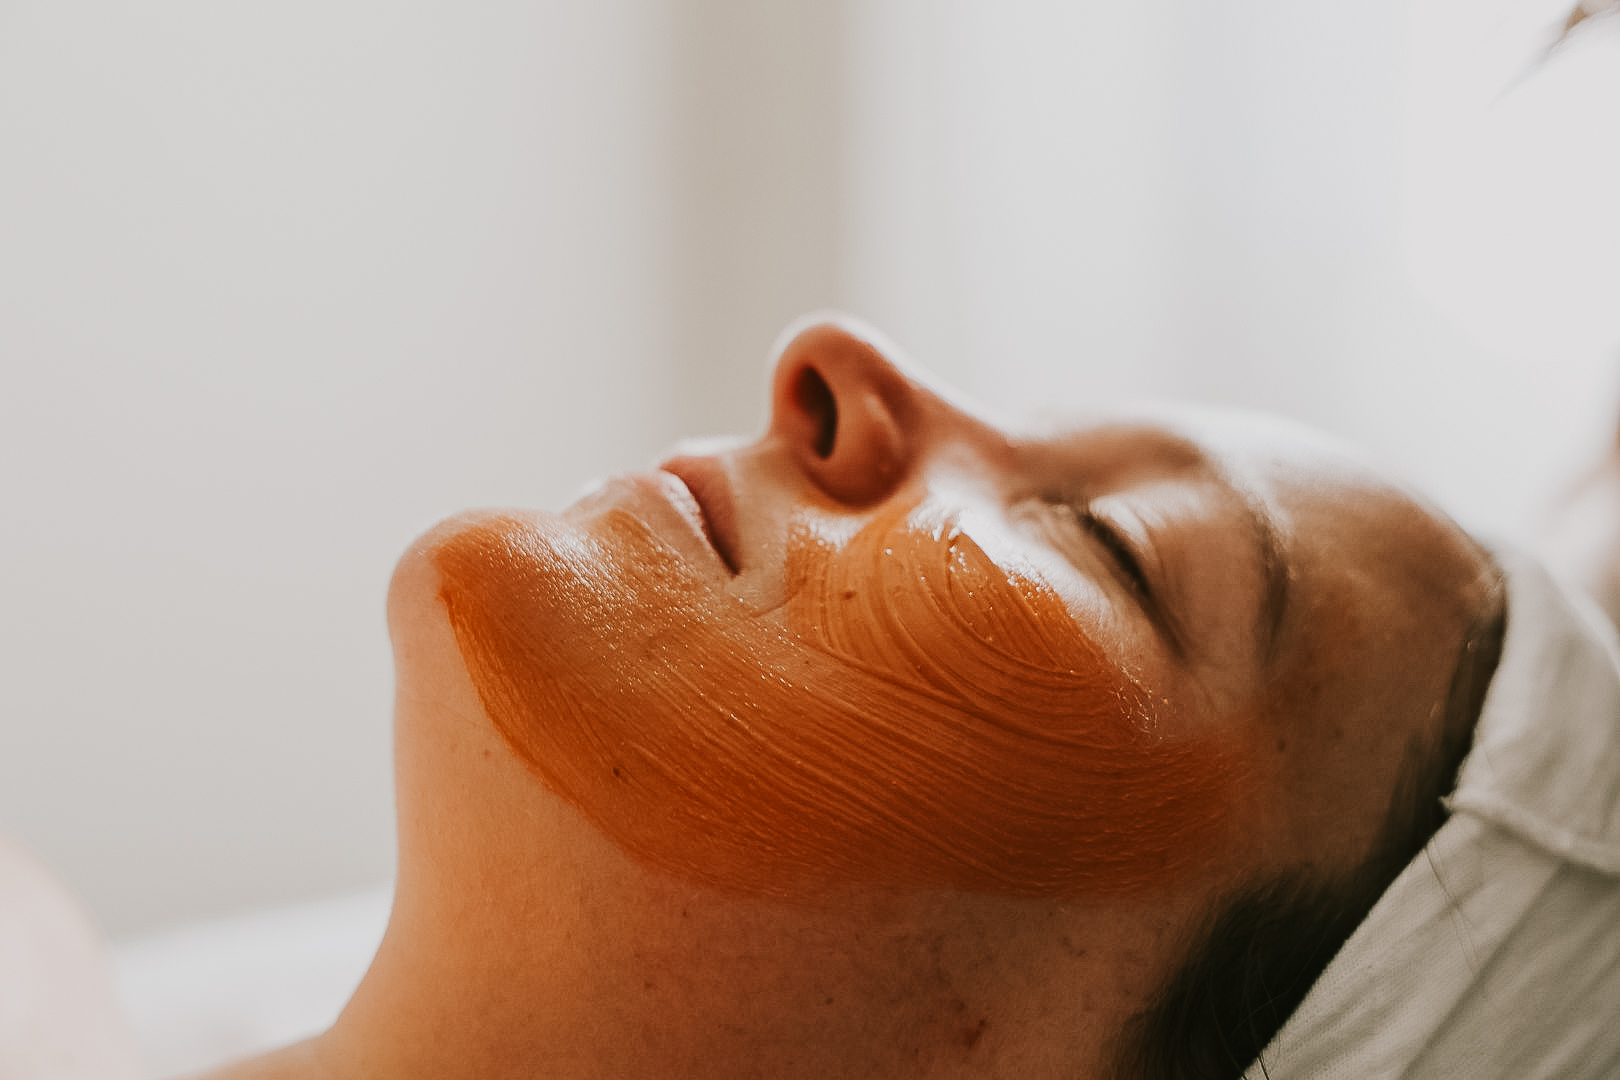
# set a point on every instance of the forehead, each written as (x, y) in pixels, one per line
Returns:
(1259, 465)
(1276, 465)
(1251, 445)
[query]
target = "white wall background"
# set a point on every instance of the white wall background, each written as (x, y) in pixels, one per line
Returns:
(282, 284)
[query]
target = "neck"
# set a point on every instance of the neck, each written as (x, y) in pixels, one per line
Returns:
(523, 943)
(569, 960)
(575, 982)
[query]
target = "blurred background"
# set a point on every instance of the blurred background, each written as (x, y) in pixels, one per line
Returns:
(281, 285)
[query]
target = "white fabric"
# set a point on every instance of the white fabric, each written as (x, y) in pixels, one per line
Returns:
(1496, 953)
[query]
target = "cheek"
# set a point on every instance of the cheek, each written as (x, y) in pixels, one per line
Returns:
(921, 720)
(1039, 765)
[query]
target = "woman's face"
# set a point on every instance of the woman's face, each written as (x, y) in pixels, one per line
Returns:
(891, 645)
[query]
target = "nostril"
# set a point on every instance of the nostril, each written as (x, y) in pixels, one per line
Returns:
(812, 394)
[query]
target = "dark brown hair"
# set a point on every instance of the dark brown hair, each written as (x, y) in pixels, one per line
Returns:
(1260, 951)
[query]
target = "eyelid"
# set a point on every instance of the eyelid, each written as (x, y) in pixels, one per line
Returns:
(1119, 546)
(1109, 533)
(1128, 547)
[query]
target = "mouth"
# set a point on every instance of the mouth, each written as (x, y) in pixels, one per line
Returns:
(711, 490)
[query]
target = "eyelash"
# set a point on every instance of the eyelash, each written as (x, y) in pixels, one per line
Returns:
(1118, 549)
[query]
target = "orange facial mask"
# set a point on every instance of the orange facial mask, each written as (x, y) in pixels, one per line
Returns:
(914, 717)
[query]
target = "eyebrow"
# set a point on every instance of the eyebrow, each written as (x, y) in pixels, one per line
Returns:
(1273, 567)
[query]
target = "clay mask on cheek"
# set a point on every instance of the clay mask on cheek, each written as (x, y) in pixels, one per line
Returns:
(919, 719)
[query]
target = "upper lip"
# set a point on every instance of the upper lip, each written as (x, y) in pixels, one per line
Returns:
(706, 479)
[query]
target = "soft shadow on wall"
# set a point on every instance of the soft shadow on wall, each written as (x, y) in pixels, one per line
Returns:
(280, 287)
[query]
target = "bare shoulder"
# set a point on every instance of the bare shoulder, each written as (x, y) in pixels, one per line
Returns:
(59, 1016)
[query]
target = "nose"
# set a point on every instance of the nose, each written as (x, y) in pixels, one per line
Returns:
(852, 420)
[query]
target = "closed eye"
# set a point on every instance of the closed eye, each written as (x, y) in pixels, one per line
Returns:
(1118, 548)
(1080, 514)
(1082, 522)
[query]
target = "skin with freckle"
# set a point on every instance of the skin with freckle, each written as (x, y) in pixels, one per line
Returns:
(913, 717)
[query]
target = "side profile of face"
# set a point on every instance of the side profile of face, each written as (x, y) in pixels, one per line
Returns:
(1052, 692)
